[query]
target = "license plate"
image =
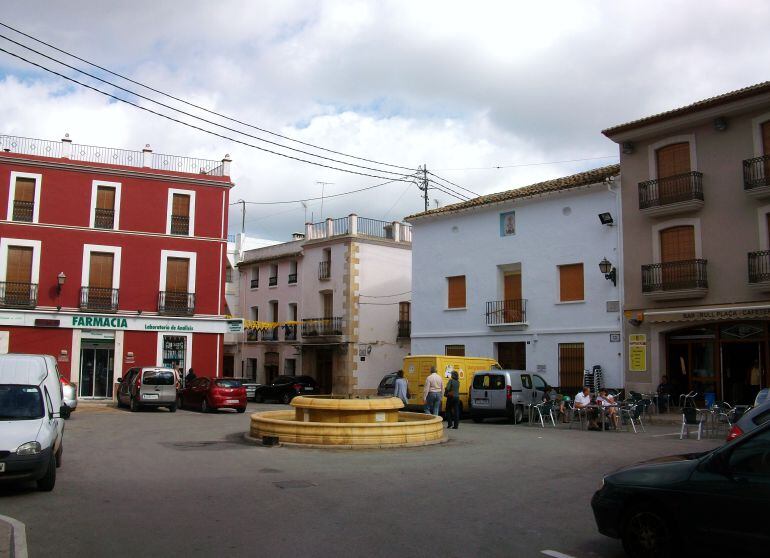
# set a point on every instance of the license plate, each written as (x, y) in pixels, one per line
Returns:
(149, 396)
(233, 401)
(481, 402)
(308, 389)
(2, 467)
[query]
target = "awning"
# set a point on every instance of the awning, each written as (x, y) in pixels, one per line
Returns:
(759, 311)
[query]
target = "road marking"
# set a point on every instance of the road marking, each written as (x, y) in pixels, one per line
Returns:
(555, 554)
(19, 536)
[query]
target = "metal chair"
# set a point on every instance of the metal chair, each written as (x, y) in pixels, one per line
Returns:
(687, 398)
(579, 412)
(634, 414)
(692, 417)
(545, 409)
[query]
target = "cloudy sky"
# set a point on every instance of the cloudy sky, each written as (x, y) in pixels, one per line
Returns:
(460, 86)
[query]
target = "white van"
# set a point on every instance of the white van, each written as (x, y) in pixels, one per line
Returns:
(31, 427)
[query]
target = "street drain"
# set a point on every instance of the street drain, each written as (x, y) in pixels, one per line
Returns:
(293, 484)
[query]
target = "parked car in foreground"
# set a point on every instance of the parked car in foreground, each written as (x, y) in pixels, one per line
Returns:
(69, 396)
(495, 393)
(149, 386)
(762, 396)
(750, 420)
(692, 504)
(31, 427)
(387, 385)
(211, 394)
(286, 388)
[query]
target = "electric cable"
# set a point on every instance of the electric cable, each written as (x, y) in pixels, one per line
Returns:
(193, 104)
(453, 184)
(530, 164)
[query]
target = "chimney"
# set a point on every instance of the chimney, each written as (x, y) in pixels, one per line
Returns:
(298, 236)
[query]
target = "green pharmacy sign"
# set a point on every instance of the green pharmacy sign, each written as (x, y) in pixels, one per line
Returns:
(99, 321)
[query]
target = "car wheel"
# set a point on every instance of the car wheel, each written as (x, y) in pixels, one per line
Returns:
(205, 406)
(48, 481)
(66, 412)
(647, 533)
(134, 405)
(259, 398)
(516, 415)
(241, 409)
(286, 398)
(172, 408)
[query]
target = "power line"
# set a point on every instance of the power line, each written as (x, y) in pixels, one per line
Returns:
(171, 118)
(448, 190)
(193, 104)
(530, 164)
(130, 92)
(453, 184)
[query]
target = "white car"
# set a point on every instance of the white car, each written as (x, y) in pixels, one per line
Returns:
(31, 427)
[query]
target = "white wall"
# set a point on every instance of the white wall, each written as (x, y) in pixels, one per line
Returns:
(547, 235)
(312, 306)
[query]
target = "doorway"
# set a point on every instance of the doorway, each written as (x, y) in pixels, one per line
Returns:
(325, 369)
(512, 356)
(96, 365)
(271, 366)
(738, 363)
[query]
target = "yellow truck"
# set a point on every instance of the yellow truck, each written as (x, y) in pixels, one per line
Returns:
(417, 368)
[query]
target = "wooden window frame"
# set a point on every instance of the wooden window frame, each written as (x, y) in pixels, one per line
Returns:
(38, 178)
(23, 243)
(455, 349)
(562, 300)
(449, 297)
(94, 190)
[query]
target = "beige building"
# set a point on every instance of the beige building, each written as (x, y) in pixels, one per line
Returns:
(695, 245)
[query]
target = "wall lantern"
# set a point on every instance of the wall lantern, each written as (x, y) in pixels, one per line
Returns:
(720, 124)
(606, 219)
(610, 273)
(60, 279)
(627, 147)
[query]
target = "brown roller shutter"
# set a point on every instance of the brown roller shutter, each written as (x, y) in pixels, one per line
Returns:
(571, 365)
(677, 244)
(456, 290)
(512, 296)
(181, 205)
(105, 197)
(571, 282)
(100, 274)
(19, 268)
(673, 159)
(404, 311)
(454, 350)
(25, 190)
(177, 275)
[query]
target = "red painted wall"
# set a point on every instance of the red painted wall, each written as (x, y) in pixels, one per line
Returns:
(41, 341)
(144, 345)
(204, 357)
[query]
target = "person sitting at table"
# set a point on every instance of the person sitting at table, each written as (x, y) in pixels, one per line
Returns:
(608, 402)
(583, 401)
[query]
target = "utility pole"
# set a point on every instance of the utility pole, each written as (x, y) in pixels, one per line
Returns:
(323, 185)
(243, 216)
(424, 186)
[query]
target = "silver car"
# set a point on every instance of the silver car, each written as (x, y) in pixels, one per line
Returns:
(69, 396)
(503, 393)
(150, 386)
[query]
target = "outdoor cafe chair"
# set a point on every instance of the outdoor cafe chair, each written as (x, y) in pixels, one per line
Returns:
(686, 399)
(692, 417)
(580, 413)
(545, 409)
(633, 413)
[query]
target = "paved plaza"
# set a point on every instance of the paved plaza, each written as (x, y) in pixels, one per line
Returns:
(186, 484)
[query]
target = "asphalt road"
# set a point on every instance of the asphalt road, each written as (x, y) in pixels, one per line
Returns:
(186, 484)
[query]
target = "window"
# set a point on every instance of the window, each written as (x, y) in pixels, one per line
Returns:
(292, 272)
(327, 299)
(252, 368)
(325, 265)
(677, 244)
(456, 291)
(181, 212)
(228, 274)
(19, 272)
(24, 197)
(105, 205)
(273, 279)
(177, 282)
(454, 350)
(571, 365)
(673, 160)
(99, 294)
(289, 366)
(404, 309)
(752, 457)
(158, 378)
(488, 381)
(571, 282)
(254, 277)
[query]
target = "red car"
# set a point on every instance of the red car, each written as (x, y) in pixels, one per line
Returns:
(210, 394)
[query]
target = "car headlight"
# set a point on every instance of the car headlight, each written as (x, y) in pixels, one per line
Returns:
(30, 448)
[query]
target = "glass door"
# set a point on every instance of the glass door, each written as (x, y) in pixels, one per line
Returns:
(96, 367)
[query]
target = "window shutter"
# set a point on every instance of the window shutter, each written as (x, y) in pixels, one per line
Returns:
(454, 350)
(181, 205)
(105, 197)
(100, 273)
(673, 159)
(456, 290)
(677, 244)
(19, 268)
(177, 274)
(571, 282)
(25, 190)
(571, 365)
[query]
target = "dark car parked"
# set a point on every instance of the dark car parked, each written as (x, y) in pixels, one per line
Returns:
(286, 388)
(713, 502)
(210, 394)
(387, 386)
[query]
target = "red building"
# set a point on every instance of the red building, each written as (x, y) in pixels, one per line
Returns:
(111, 259)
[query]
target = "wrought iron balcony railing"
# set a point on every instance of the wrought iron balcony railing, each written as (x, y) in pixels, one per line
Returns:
(270, 334)
(324, 270)
(255, 283)
(673, 276)
(316, 327)
(23, 210)
(252, 335)
(272, 281)
(99, 299)
(18, 295)
(104, 218)
(404, 329)
(671, 189)
(180, 224)
(290, 333)
(759, 267)
(756, 172)
(292, 278)
(175, 303)
(500, 312)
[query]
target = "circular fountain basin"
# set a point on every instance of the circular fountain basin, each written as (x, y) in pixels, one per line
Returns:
(348, 423)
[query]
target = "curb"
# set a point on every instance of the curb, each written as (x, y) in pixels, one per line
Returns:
(14, 542)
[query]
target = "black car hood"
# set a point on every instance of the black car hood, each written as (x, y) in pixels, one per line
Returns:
(657, 472)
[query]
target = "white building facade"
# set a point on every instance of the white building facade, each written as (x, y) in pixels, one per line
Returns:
(334, 305)
(515, 276)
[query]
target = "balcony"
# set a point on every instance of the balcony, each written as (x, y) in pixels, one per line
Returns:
(507, 313)
(673, 194)
(254, 283)
(404, 329)
(180, 224)
(18, 295)
(324, 270)
(270, 334)
(759, 270)
(104, 218)
(675, 280)
(252, 335)
(322, 327)
(272, 281)
(172, 303)
(23, 210)
(98, 299)
(756, 177)
(292, 278)
(290, 333)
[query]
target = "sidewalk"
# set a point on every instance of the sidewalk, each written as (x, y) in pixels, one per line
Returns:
(13, 539)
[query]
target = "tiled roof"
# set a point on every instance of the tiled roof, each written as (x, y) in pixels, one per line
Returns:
(736, 95)
(565, 183)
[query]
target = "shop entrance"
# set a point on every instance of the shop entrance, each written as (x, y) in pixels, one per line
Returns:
(96, 365)
(741, 371)
(174, 352)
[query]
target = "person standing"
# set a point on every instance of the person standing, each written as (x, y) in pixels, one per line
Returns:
(452, 393)
(190, 376)
(434, 387)
(755, 379)
(401, 389)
